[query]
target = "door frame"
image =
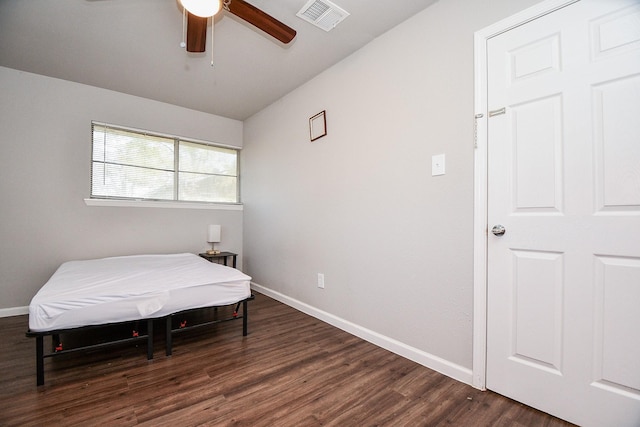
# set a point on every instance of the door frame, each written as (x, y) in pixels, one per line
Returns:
(480, 226)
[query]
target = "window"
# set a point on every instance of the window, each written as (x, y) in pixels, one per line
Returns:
(133, 164)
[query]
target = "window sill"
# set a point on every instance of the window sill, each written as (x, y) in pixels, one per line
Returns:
(163, 204)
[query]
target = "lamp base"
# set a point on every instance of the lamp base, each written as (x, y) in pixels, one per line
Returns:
(213, 252)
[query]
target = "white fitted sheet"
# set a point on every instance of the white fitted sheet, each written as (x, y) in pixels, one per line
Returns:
(118, 289)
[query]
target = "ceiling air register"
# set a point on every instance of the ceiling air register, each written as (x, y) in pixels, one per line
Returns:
(322, 14)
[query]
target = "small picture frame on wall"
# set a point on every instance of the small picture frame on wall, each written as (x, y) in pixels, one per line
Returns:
(318, 125)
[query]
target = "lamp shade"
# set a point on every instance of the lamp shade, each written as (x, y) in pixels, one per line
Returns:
(214, 234)
(202, 8)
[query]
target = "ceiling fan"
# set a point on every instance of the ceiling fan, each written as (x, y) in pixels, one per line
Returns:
(197, 20)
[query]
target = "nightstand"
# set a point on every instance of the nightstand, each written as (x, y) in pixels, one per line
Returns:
(222, 255)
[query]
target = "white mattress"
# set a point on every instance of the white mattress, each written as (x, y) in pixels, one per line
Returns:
(118, 289)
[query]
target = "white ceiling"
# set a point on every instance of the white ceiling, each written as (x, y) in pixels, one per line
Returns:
(132, 46)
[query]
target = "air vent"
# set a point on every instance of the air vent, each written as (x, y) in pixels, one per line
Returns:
(323, 14)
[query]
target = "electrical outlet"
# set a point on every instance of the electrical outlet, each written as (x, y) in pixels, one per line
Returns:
(321, 280)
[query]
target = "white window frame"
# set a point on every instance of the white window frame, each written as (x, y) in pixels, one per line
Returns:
(182, 204)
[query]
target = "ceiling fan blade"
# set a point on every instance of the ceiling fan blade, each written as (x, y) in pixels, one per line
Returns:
(196, 33)
(258, 18)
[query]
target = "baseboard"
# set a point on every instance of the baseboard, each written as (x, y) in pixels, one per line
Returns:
(13, 311)
(428, 360)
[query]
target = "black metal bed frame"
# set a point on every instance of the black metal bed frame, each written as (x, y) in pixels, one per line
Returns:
(57, 349)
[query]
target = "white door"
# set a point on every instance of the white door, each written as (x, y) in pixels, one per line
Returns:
(563, 281)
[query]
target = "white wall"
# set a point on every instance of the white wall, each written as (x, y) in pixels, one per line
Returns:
(360, 205)
(45, 153)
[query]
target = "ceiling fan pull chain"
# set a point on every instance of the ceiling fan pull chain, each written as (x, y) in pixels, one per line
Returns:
(213, 20)
(183, 43)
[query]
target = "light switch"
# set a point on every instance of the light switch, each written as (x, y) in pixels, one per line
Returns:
(437, 165)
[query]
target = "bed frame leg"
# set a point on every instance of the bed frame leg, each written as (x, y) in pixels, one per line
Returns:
(39, 360)
(169, 343)
(149, 339)
(245, 318)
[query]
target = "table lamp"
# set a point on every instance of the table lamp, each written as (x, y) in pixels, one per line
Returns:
(213, 238)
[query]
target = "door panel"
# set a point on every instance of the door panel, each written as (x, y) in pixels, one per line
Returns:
(617, 148)
(537, 315)
(563, 282)
(616, 320)
(537, 155)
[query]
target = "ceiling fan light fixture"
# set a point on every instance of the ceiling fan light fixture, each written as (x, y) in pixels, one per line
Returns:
(202, 8)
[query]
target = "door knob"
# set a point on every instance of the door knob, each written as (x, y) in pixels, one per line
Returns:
(498, 230)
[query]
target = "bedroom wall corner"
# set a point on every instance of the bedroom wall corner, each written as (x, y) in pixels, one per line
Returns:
(360, 206)
(45, 154)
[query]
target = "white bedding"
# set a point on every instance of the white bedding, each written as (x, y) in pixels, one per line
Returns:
(117, 289)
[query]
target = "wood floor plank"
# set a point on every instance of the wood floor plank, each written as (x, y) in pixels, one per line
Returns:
(291, 370)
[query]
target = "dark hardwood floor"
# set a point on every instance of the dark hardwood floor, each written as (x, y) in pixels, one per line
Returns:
(291, 370)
